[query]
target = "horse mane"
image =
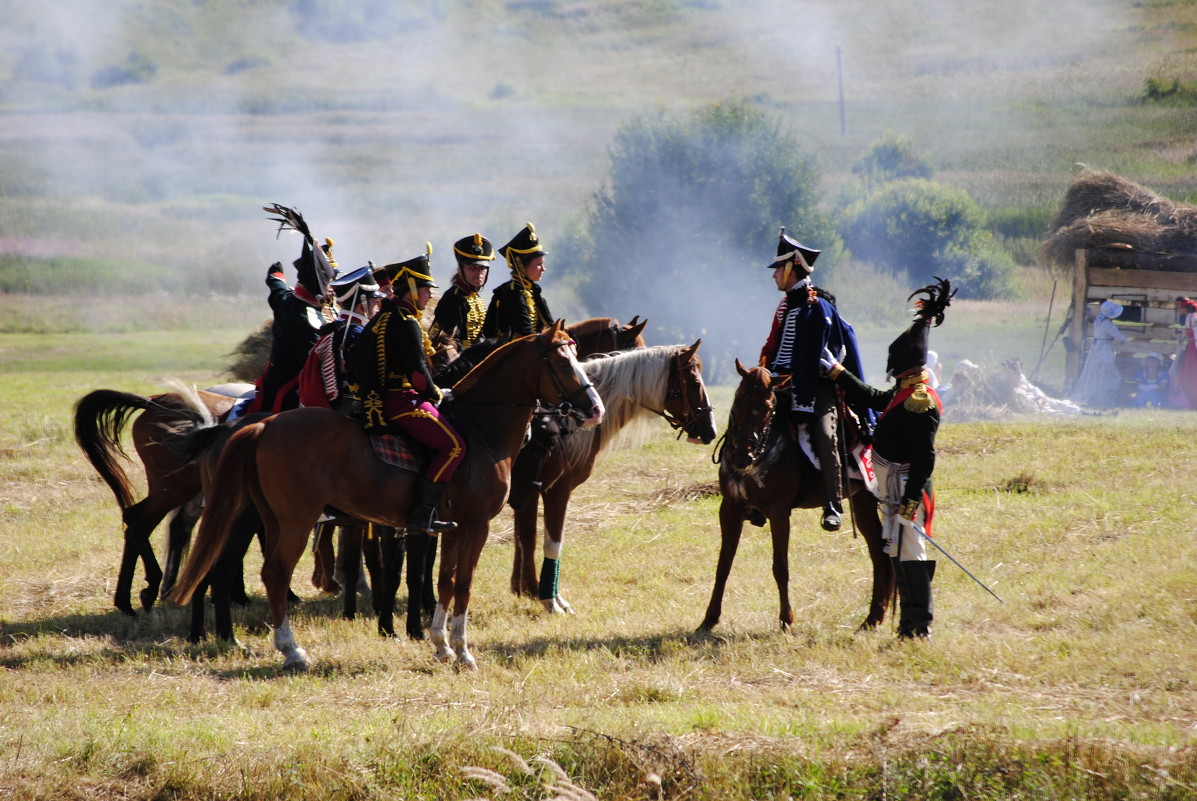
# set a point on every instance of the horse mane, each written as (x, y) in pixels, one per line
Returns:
(627, 381)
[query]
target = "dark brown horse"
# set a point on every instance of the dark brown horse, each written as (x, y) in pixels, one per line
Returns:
(100, 417)
(762, 471)
(635, 386)
(296, 463)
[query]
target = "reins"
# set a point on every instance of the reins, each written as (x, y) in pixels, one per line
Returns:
(690, 415)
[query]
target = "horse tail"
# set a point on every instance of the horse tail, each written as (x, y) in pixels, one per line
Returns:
(100, 416)
(236, 471)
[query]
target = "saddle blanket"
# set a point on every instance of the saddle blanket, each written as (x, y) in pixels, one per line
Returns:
(399, 451)
(859, 466)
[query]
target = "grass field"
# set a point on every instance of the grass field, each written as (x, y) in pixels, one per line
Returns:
(1078, 686)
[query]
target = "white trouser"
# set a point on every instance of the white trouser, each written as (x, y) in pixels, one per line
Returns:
(901, 540)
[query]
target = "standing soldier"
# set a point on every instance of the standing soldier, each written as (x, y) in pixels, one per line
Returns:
(461, 309)
(904, 454)
(396, 388)
(806, 322)
(517, 308)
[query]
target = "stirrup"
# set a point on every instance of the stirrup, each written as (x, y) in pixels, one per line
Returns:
(831, 518)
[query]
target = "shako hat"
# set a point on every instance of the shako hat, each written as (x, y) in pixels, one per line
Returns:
(355, 284)
(909, 350)
(473, 249)
(413, 273)
(790, 248)
(526, 245)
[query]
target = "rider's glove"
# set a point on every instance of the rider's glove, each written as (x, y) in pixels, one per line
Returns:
(830, 366)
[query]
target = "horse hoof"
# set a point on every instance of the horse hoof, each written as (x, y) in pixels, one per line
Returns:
(446, 654)
(416, 634)
(297, 661)
(126, 609)
(148, 596)
(467, 662)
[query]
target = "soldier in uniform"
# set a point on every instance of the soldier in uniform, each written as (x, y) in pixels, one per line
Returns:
(299, 314)
(461, 309)
(325, 377)
(806, 322)
(517, 307)
(396, 389)
(904, 454)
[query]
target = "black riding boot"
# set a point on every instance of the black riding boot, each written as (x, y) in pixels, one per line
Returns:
(422, 516)
(833, 516)
(916, 609)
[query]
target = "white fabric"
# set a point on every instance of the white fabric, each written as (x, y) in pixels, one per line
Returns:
(896, 530)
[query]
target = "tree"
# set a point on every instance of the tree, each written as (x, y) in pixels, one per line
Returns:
(682, 232)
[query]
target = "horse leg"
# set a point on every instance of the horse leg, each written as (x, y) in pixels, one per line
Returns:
(196, 632)
(372, 556)
(868, 522)
(349, 551)
(523, 569)
(417, 545)
(392, 568)
(179, 537)
(469, 549)
(779, 526)
(428, 596)
(140, 521)
(556, 501)
(323, 569)
(284, 543)
(445, 587)
(731, 527)
(229, 571)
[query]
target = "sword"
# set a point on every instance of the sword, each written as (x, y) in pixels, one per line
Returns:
(919, 530)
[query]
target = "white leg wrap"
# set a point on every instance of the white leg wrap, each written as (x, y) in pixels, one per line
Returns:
(294, 657)
(457, 636)
(552, 550)
(438, 635)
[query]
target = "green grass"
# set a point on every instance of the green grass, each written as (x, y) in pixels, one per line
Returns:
(1076, 687)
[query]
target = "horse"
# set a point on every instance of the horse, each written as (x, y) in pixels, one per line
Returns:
(665, 380)
(763, 472)
(294, 464)
(100, 416)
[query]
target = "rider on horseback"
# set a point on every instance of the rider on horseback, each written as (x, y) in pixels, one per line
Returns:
(324, 380)
(517, 307)
(904, 454)
(396, 387)
(299, 314)
(461, 309)
(806, 322)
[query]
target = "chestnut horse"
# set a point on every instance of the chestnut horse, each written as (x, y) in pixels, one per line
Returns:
(294, 464)
(100, 417)
(762, 469)
(635, 385)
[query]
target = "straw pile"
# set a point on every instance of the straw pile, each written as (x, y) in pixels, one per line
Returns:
(1129, 225)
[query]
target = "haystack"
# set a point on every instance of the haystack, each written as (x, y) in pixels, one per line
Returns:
(1126, 224)
(252, 354)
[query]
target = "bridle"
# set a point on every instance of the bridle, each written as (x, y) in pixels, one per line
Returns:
(756, 443)
(567, 405)
(690, 413)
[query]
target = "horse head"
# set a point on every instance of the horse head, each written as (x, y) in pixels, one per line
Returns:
(444, 348)
(563, 378)
(686, 404)
(751, 414)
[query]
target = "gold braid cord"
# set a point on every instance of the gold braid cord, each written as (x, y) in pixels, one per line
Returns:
(475, 317)
(373, 402)
(920, 400)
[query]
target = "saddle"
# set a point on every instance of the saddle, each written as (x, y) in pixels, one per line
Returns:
(399, 450)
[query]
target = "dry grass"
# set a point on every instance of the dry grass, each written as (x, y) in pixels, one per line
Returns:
(1077, 676)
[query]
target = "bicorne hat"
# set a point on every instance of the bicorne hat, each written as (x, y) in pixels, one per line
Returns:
(525, 244)
(790, 248)
(473, 249)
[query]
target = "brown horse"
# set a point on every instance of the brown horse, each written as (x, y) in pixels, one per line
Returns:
(296, 463)
(635, 385)
(762, 471)
(100, 416)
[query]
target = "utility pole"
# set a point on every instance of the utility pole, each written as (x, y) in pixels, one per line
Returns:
(839, 68)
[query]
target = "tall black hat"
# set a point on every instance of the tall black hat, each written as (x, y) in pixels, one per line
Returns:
(526, 245)
(411, 274)
(790, 248)
(909, 350)
(473, 249)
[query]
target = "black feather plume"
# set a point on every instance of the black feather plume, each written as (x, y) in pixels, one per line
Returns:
(935, 299)
(289, 219)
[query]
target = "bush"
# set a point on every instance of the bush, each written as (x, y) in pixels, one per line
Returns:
(928, 229)
(689, 219)
(136, 69)
(890, 158)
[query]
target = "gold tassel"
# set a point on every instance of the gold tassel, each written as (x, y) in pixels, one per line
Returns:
(920, 400)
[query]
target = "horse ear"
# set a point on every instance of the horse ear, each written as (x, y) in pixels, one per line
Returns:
(634, 320)
(693, 349)
(558, 326)
(741, 369)
(635, 329)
